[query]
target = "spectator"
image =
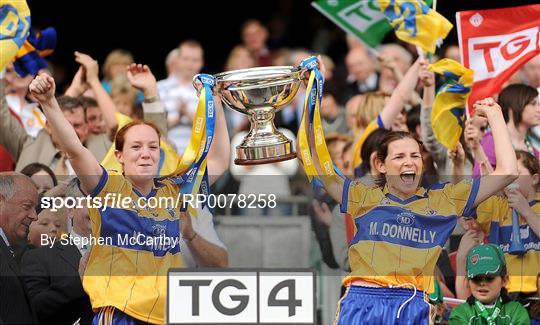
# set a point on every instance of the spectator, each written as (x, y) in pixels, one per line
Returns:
(495, 219)
(94, 116)
(48, 227)
(41, 175)
(332, 113)
(531, 72)
(239, 58)
(86, 83)
(363, 76)
(178, 95)
(51, 272)
(254, 37)
(43, 149)
(124, 96)
(396, 60)
(171, 62)
(18, 199)
(451, 51)
(521, 108)
(489, 303)
(20, 104)
(115, 64)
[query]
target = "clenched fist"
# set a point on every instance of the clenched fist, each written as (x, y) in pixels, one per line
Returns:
(42, 88)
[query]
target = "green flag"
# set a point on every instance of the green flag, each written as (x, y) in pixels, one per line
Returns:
(361, 18)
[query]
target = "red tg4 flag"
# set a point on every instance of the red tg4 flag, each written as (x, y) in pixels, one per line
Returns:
(495, 43)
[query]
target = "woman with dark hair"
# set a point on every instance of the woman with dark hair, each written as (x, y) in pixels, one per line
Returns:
(126, 282)
(41, 175)
(402, 227)
(521, 110)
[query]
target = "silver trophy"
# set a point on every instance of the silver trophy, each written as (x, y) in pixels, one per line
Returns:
(260, 93)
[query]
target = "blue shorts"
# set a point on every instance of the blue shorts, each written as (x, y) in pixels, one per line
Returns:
(112, 316)
(364, 305)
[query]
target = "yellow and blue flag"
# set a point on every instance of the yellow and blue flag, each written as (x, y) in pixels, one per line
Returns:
(448, 112)
(414, 22)
(14, 28)
(29, 59)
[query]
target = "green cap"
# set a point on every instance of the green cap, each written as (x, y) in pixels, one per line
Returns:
(485, 259)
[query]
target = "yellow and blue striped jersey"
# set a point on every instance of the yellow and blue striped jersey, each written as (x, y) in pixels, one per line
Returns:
(128, 269)
(495, 218)
(399, 241)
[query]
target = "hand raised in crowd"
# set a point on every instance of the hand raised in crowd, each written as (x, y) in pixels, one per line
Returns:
(469, 239)
(90, 65)
(141, 77)
(78, 84)
(473, 132)
(486, 106)
(516, 200)
(188, 233)
(457, 156)
(42, 88)
(425, 75)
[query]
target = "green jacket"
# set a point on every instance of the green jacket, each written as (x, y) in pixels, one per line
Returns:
(512, 313)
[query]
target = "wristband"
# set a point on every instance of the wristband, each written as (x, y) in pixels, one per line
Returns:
(151, 99)
(189, 240)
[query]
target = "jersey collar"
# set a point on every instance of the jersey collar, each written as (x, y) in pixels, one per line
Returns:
(420, 193)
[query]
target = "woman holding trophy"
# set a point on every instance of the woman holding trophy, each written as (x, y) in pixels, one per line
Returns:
(126, 282)
(401, 227)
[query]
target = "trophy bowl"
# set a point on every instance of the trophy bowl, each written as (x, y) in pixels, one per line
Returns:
(260, 93)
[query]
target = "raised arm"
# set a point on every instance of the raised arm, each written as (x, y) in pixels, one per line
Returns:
(220, 151)
(84, 163)
(518, 202)
(401, 94)
(437, 150)
(105, 102)
(506, 170)
(473, 137)
(141, 77)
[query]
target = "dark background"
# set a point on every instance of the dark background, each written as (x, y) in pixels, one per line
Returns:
(150, 29)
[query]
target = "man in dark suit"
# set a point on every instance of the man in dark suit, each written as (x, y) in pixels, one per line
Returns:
(54, 285)
(18, 199)
(52, 273)
(363, 76)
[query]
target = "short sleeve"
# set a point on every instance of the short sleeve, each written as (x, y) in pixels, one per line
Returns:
(109, 182)
(203, 224)
(463, 195)
(494, 208)
(353, 197)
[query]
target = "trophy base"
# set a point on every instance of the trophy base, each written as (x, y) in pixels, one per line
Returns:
(264, 154)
